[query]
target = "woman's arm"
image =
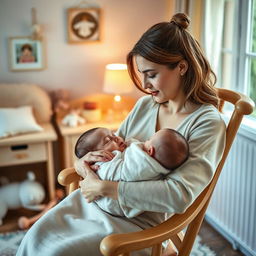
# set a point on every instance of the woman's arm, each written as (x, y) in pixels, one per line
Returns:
(110, 189)
(174, 194)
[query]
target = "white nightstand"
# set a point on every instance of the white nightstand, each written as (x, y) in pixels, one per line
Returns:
(31, 148)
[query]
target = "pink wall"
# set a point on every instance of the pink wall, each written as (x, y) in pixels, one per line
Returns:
(76, 67)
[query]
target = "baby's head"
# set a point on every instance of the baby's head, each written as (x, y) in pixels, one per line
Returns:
(98, 139)
(168, 147)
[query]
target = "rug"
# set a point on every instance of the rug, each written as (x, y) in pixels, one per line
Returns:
(9, 243)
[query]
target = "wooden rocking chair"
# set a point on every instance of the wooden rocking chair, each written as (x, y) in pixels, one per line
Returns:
(124, 244)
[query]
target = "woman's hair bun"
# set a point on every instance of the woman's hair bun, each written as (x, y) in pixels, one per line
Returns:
(181, 20)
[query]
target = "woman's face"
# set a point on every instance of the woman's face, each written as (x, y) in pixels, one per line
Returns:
(163, 83)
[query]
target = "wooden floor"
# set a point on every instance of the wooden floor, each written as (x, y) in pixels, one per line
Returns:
(216, 242)
(210, 236)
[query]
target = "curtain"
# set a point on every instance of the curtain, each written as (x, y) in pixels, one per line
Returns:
(212, 31)
(206, 26)
(194, 9)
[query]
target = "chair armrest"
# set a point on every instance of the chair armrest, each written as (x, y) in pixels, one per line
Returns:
(68, 176)
(116, 244)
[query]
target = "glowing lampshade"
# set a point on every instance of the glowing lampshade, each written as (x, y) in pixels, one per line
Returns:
(117, 80)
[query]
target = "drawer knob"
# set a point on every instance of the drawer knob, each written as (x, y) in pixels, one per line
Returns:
(21, 155)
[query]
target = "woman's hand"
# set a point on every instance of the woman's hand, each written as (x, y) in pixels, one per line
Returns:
(91, 185)
(91, 158)
(93, 188)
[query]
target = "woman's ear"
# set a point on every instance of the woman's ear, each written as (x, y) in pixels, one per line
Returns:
(151, 151)
(183, 67)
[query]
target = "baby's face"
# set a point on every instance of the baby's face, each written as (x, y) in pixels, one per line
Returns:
(108, 140)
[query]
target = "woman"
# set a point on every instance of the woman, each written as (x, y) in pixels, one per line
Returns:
(175, 72)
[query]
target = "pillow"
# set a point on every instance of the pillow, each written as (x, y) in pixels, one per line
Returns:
(17, 120)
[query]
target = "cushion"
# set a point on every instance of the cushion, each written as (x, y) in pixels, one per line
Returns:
(17, 120)
(15, 95)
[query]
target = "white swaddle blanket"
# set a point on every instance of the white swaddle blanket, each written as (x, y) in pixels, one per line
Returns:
(133, 164)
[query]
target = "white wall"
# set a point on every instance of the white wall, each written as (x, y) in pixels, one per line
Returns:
(77, 67)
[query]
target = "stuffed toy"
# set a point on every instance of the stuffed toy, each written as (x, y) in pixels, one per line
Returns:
(25, 222)
(73, 119)
(28, 194)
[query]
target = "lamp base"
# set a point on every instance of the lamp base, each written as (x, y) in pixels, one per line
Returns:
(118, 111)
(114, 116)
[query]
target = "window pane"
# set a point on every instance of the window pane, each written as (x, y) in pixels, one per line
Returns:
(253, 32)
(226, 64)
(252, 80)
(228, 28)
(227, 69)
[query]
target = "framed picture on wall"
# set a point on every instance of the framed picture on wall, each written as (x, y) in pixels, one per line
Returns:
(83, 25)
(26, 54)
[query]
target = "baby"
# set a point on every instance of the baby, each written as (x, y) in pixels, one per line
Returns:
(133, 160)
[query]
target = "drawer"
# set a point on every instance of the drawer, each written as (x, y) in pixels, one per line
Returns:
(22, 154)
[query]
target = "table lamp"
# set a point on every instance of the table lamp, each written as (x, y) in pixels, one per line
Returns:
(117, 81)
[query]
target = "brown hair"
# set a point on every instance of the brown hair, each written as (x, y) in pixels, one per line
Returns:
(172, 150)
(83, 146)
(167, 43)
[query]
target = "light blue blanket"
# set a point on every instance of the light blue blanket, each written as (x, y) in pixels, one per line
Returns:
(73, 227)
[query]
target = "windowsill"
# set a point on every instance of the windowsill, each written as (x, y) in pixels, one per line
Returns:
(248, 125)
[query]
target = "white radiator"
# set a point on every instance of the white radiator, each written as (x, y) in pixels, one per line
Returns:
(232, 210)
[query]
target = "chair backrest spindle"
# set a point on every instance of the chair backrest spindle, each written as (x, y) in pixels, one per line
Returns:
(157, 250)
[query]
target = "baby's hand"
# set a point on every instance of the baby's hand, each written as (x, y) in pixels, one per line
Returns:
(98, 156)
(91, 158)
(95, 167)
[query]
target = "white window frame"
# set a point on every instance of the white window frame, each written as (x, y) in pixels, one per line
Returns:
(243, 36)
(240, 46)
(240, 52)
(241, 55)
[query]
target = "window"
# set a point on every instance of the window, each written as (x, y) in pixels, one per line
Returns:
(252, 55)
(238, 52)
